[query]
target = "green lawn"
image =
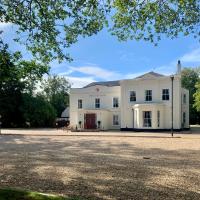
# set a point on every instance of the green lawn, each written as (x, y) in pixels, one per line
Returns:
(13, 194)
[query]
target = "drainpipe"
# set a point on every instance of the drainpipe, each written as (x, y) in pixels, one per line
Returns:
(172, 111)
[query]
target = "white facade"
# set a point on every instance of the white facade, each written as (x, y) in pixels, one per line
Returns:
(141, 103)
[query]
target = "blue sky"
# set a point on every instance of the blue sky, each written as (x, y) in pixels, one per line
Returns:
(102, 57)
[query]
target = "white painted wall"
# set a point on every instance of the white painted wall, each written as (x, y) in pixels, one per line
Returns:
(156, 85)
(88, 95)
(125, 110)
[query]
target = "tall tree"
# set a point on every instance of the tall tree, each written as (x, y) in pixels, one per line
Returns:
(17, 77)
(10, 88)
(31, 73)
(56, 90)
(190, 77)
(50, 27)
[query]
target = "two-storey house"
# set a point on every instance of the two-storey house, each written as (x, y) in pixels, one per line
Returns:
(142, 103)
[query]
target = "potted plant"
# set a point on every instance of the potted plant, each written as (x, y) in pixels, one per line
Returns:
(80, 123)
(99, 124)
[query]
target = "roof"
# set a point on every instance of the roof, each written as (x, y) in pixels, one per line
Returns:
(150, 74)
(105, 83)
(117, 83)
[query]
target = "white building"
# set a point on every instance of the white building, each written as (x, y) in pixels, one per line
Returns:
(141, 103)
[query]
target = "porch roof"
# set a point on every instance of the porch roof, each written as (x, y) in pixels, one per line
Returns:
(148, 104)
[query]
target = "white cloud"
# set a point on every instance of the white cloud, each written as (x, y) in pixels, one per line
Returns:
(167, 69)
(78, 82)
(96, 72)
(191, 57)
(68, 72)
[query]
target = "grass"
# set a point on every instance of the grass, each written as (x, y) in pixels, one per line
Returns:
(14, 194)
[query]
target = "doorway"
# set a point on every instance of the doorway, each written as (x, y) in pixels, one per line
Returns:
(90, 121)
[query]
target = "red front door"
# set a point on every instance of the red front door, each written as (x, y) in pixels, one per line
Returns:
(90, 121)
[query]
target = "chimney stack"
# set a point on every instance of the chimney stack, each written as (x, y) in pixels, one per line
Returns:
(178, 68)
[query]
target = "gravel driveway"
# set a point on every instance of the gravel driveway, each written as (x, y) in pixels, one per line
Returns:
(94, 167)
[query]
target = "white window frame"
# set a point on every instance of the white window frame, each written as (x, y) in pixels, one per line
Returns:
(115, 102)
(165, 94)
(132, 97)
(97, 103)
(115, 120)
(147, 119)
(80, 103)
(148, 95)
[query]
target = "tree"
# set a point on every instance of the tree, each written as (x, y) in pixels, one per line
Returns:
(31, 72)
(56, 90)
(190, 77)
(17, 78)
(50, 27)
(37, 111)
(197, 97)
(10, 88)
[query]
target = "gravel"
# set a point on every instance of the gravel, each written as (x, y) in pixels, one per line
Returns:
(94, 167)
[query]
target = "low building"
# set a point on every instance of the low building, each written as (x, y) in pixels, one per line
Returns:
(142, 103)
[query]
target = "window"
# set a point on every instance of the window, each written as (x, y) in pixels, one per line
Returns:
(184, 98)
(115, 119)
(132, 96)
(147, 118)
(158, 118)
(184, 117)
(148, 95)
(97, 103)
(115, 102)
(80, 103)
(165, 94)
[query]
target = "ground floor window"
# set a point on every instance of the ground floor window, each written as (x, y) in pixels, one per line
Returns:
(115, 119)
(184, 117)
(147, 118)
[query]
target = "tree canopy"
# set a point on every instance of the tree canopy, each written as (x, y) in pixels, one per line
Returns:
(197, 97)
(190, 78)
(56, 90)
(18, 104)
(48, 28)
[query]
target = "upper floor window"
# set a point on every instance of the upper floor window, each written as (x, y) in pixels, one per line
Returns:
(165, 94)
(80, 103)
(132, 96)
(184, 98)
(148, 95)
(115, 119)
(97, 103)
(115, 102)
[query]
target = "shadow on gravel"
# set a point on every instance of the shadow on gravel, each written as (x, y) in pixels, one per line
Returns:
(98, 169)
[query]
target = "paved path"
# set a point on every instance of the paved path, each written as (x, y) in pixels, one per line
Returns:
(61, 132)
